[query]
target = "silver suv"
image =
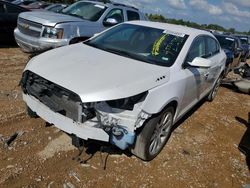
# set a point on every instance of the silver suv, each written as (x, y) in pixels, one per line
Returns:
(40, 31)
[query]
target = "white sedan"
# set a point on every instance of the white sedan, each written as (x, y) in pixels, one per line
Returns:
(127, 85)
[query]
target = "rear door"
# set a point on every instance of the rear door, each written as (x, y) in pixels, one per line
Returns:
(213, 54)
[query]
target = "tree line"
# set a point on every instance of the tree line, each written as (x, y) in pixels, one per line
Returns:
(161, 18)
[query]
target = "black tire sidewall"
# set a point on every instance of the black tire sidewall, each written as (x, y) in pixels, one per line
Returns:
(211, 97)
(145, 135)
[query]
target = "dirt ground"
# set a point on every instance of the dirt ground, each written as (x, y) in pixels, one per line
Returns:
(202, 151)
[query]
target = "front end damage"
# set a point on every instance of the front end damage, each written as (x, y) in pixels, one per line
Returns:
(113, 121)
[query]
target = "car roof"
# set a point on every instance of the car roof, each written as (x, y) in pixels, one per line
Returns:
(172, 27)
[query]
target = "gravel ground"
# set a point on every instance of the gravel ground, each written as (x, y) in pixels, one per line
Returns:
(202, 151)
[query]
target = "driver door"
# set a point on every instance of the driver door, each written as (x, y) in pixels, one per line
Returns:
(195, 77)
(116, 14)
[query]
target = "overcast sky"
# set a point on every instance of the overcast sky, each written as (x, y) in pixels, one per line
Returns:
(228, 13)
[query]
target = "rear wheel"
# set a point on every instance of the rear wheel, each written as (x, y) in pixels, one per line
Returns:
(154, 135)
(215, 89)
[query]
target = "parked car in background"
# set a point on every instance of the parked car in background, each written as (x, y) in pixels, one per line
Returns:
(8, 20)
(37, 5)
(232, 47)
(10, 1)
(23, 2)
(245, 46)
(56, 7)
(128, 85)
(77, 22)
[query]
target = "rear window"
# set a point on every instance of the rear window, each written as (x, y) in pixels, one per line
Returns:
(132, 15)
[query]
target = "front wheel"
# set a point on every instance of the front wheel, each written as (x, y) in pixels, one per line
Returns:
(154, 135)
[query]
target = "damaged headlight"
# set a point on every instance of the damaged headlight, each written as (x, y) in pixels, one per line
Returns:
(127, 103)
(54, 33)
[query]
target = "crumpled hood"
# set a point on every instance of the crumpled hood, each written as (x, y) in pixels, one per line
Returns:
(97, 75)
(48, 18)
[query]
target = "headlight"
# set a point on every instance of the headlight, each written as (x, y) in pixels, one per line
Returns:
(54, 33)
(127, 103)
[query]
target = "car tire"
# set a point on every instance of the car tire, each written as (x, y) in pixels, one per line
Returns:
(215, 89)
(154, 135)
(31, 113)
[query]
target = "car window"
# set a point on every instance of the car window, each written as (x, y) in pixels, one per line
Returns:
(2, 8)
(198, 49)
(12, 9)
(212, 47)
(132, 15)
(117, 14)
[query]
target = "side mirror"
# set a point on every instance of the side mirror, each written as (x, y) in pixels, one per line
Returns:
(110, 22)
(201, 62)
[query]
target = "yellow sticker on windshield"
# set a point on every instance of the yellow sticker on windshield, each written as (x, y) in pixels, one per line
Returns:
(157, 45)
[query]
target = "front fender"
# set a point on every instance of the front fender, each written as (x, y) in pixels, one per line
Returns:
(159, 97)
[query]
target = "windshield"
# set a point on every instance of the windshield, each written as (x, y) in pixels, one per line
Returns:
(226, 42)
(86, 10)
(151, 45)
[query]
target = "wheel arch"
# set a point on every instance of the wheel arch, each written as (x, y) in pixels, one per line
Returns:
(171, 103)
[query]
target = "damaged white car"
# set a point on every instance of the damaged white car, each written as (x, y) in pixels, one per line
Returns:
(128, 85)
